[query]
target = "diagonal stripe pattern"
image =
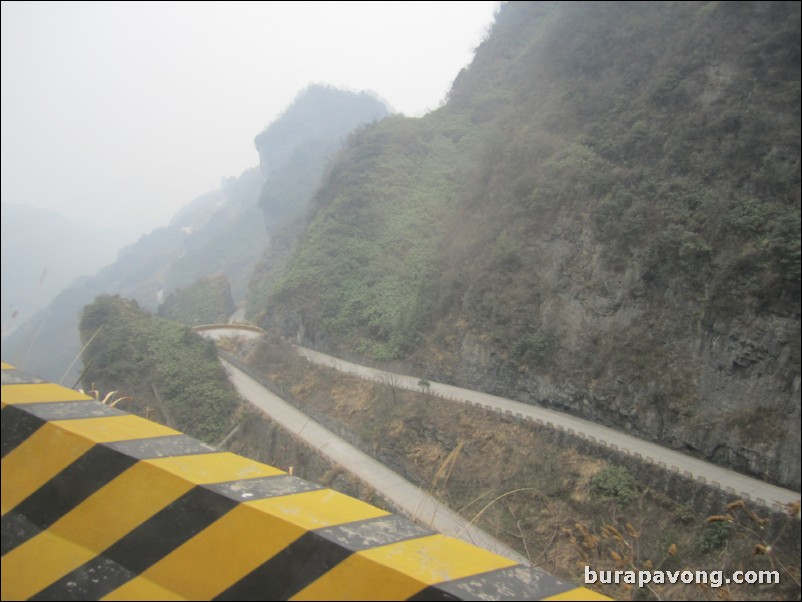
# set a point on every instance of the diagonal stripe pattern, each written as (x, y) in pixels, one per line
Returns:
(100, 504)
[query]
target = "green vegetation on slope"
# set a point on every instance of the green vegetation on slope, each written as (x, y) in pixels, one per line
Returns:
(208, 301)
(170, 372)
(368, 258)
(664, 135)
(295, 151)
(681, 157)
(604, 217)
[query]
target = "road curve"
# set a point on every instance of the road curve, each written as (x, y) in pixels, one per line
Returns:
(218, 331)
(417, 503)
(747, 487)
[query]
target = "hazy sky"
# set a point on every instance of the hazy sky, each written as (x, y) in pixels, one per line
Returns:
(121, 113)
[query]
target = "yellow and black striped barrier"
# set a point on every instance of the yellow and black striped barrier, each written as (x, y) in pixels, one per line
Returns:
(101, 504)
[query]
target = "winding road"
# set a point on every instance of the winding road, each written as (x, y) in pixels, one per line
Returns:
(747, 487)
(418, 505)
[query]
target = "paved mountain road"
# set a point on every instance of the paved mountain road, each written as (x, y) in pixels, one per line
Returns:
(740, 484)
(417, 503)
(729, 480)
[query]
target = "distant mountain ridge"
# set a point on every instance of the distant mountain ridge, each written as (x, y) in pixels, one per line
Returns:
(223, 233)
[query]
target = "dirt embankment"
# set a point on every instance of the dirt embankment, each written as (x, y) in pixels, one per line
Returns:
(561, 506)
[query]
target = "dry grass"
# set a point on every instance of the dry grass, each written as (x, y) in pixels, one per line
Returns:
(512, 481)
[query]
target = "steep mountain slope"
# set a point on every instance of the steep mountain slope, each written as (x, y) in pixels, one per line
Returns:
(221, 233)
(207, 301)
(294, 150)
(294, 153)
(604, 218)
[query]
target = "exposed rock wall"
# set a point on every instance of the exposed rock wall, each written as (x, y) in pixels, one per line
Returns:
(728, 392)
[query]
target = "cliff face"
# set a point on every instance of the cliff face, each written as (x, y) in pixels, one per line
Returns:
(727, 391)
(603, 218)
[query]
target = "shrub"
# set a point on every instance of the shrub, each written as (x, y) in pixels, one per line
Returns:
(712, 537)
(616, 483)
